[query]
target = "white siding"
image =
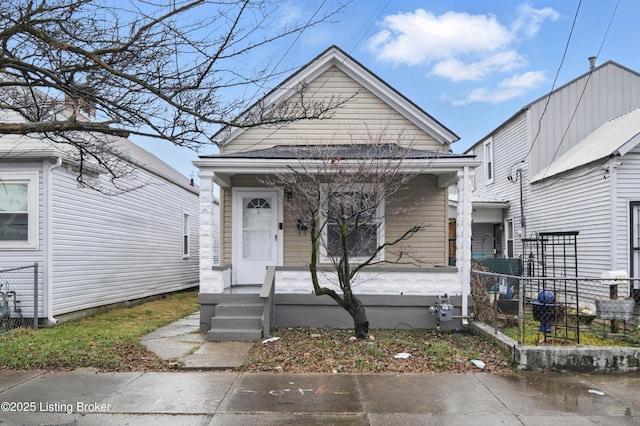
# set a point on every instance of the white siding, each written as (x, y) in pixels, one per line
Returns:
(577, 201)
(628, 189)
(108, 249)
(510, 144)
(12, 258)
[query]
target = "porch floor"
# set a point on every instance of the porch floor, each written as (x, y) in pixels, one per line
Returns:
(243, 289)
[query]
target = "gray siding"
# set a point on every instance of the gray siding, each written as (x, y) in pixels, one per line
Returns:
(108, 249)
(482, 240)
(579, 108)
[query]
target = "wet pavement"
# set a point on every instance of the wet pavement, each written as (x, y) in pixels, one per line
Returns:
(207, 392)
(86, 397)
(183, 343)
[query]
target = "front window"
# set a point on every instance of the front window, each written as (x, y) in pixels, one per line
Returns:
(354, 218)
(19, 210)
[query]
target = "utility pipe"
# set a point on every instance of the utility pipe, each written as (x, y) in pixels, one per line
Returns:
(49, 245)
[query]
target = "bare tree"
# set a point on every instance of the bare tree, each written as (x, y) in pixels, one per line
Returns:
(343, 195)
(172, 69)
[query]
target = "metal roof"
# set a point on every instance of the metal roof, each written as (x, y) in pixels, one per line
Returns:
(343, 151)
(617, 136)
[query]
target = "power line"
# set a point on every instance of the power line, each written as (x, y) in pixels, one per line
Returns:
(555, 80)
(295, 40)
(584, 88)
(325, 82)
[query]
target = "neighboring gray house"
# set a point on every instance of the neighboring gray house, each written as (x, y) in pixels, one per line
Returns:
(94, 249)
(257, 234)
(567, 162)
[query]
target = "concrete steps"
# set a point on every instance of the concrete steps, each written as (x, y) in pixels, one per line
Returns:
(238, 318)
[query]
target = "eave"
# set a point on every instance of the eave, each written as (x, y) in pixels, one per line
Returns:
(224, 168)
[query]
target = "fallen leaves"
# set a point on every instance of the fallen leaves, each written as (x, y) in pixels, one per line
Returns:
(312, 350)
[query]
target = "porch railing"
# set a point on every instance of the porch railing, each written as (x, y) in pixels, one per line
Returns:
(267, 294)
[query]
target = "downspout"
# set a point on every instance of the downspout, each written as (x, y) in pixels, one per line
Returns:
(49, 246)
(613, 206)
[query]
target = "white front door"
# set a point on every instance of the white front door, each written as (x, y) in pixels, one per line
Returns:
(255, 234)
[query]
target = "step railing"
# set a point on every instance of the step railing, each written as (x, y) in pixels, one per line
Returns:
(267, 294)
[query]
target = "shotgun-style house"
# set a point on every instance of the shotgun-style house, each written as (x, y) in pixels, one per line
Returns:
(269, 254)
(566, 164)
(91, 248)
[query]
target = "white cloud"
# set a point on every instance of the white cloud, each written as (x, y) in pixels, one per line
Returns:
(290, 13)
(528, 80)
(419, 37)
(464, 47)
(507, 89)
(456, 70)
(530, 19)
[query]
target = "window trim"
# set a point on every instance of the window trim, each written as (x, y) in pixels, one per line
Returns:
(380, 231)
(186, 235)
(510, 222)
(33, 212)
(489, 163)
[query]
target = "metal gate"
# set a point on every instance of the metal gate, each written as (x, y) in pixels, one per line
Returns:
(551, 267)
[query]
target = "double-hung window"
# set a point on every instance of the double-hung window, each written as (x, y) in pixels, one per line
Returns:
(488, 161)
(354, 218)
(18, 210)
(185, 235)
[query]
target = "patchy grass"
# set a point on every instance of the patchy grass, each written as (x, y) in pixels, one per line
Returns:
(107, 341)
(311, 350)
(597, 333)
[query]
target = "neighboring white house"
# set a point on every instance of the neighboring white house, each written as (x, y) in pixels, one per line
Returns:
(247, 155)
(567, 162)
(94, 249)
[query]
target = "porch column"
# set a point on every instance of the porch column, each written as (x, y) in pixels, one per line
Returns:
(463, 235)
(210, 281)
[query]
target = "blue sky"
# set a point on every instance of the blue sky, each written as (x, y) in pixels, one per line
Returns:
(471, 64)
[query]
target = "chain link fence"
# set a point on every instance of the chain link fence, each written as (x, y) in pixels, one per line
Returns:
(19, 298)
(536, 310)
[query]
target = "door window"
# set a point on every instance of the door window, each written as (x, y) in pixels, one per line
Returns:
(257, 217)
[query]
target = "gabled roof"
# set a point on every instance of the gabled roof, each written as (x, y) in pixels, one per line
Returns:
(334, 56)
(17, 147)
(617, 136)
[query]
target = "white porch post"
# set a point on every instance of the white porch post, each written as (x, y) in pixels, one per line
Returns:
(463, 235)
(210, 281)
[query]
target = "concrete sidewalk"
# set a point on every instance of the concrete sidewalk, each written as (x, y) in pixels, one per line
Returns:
(182, 342)
(224, 398)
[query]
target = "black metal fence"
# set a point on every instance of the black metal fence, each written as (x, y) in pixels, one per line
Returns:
(536, 310)
(19, 298)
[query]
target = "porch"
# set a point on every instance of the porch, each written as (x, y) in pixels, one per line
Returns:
(393, 298)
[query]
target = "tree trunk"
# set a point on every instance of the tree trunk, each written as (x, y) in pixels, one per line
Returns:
(360, 322)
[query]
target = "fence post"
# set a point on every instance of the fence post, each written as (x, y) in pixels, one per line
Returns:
(521, 293)
(35, 295)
